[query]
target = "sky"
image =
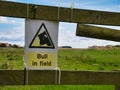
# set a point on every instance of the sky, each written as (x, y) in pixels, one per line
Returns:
(12, 29)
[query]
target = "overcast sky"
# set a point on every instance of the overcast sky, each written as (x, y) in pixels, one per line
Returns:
(12, 29)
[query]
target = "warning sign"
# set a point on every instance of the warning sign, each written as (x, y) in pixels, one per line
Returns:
(41, 60)
(42, 39)
(41, 43)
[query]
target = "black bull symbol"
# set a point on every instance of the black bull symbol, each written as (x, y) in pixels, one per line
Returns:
(43, 37)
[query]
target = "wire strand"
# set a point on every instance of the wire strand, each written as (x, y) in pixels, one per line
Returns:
(58, 13)
(72, 6)
(58, 76)
(27, 11)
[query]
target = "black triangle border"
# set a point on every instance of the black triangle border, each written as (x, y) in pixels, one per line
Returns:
(30, 46)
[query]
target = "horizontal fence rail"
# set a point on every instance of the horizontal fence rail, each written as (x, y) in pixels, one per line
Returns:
(23, 10)
(51, 77)
(98, 32)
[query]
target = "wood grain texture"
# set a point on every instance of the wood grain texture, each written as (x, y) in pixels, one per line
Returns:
(19, 10)
(51, 77)
(11, 77)
(117, 87)
(98, 32)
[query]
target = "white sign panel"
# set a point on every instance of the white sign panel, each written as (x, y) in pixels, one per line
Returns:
(41, 43)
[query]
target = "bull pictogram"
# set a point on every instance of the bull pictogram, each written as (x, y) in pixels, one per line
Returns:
(42, 39)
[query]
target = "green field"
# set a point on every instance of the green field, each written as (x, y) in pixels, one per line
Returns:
(68, 59)
(89, 59)
(59, 87)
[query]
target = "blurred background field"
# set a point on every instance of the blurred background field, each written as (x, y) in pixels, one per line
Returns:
(68, 59)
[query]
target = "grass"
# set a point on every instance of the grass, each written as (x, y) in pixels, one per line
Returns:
(68, 59)
(11, 58)
(59, 87)
(89, 59)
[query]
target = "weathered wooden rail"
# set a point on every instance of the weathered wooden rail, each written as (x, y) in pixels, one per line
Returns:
(22, 10)
(49, 77)
(98, 32)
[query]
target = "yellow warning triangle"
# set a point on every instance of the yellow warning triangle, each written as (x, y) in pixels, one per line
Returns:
(42, 39)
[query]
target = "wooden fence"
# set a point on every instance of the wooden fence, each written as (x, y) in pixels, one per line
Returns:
(61, 14)
(51, 77)
(98, 32)
(39, 77)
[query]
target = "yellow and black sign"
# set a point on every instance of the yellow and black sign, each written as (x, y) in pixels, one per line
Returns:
(41, 60)
(41, 43)
(42, 39)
